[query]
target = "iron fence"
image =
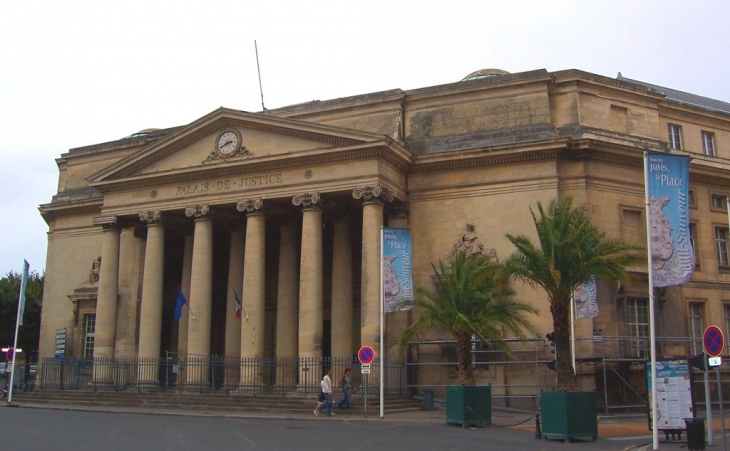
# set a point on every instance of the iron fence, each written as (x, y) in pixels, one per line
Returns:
(214, 374)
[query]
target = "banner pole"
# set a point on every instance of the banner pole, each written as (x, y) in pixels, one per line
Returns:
(382, 320)
(18, 321)
(652, 332)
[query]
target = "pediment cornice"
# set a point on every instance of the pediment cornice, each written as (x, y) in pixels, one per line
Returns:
(327, 135)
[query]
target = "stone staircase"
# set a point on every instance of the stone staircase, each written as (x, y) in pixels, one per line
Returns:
(270, 404)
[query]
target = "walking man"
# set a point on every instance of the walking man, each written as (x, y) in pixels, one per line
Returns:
(346, 384)
(327, 391)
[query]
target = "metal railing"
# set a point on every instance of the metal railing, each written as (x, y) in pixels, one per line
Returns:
(214, 374)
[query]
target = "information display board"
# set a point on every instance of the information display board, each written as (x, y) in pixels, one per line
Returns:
(675, 398)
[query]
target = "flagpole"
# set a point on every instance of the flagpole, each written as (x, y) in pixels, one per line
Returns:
(572, 328)
(18, 321)
(652, 332)
(382, 320)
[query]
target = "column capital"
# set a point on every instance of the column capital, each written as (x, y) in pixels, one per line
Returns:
(397, 209)
(108, 222)
(151, 217)
(370, 193)
(251, 206)
(199, 212)
(309, 200)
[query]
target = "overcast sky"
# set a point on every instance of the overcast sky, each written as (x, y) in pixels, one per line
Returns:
(78, 73)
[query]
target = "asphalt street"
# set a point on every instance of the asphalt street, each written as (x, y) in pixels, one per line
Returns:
(32, 428)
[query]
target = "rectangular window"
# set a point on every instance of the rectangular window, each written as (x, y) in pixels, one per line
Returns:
(89, 330)
(692, 198)
(719, 202)
(637, 315)
(708, 144)
(721, 245)
(675, 139)
(633, 226)
(693, 241)
(695, 326)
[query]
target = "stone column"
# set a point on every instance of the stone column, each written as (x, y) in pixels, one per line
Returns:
(187, 271)
(310, 289)
(150, 321)
(131, 252)
(107, 296)
(287, 308)
(235, 282)
(372, 221)
(254, 291)
(342, 299)
(200, 301)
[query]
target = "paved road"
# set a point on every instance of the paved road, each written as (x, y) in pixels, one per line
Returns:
(112, 430)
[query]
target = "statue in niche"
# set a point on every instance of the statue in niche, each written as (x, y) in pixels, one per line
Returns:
(94, 273)
(469, 243)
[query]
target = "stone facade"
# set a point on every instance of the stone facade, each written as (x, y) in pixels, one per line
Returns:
(291, 203)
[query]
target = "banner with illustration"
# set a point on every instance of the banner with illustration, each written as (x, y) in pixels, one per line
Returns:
(672, 256)
(584, 297)
(396, 266)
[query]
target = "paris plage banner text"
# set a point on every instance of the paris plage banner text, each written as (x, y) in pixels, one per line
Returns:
(672, 256)
(397, 279)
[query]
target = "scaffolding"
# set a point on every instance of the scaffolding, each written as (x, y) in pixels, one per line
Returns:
(615, 366)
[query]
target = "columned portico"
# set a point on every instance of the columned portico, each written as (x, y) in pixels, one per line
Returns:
(372, 221)
(342, 301)
(254, 280)
(107, 297)
(201, 285)
(310, 276)
(152, 283)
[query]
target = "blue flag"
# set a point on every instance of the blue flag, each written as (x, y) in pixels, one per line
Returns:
(179, 302)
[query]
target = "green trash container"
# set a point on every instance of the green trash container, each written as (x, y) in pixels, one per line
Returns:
(695, 434)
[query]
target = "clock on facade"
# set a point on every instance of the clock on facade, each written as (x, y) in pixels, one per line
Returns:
(228, 142)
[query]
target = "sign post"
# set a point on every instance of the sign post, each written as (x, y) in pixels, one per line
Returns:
(713, 342)
(366, 355)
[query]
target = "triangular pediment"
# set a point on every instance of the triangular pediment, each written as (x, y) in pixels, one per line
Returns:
(226, 138)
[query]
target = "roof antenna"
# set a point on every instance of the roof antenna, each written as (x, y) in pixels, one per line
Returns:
(259, 69)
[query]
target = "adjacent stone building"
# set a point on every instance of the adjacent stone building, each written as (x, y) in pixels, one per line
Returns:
(283, 208)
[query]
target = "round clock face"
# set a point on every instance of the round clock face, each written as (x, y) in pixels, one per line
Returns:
(228, 143)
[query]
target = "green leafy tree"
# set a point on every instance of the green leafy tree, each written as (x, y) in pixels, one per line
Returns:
(29, 332)
(473, 301)
(570, 251)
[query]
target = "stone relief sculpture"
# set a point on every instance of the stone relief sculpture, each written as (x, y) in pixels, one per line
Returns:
(391, 286)
(94, 273)
(662, 245)
(469, 243)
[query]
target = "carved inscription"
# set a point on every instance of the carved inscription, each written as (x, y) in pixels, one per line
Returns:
(229, 184)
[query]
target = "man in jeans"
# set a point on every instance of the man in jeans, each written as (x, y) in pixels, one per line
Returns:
(327, 391)
(346, 384)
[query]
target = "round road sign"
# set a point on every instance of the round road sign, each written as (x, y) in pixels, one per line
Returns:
(366, 354)
(713, 341)
(9, 354)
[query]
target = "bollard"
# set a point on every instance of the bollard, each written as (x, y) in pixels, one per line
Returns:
(538, 431)
(466, 422)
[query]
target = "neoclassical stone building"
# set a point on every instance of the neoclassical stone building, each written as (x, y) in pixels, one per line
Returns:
(283, 209)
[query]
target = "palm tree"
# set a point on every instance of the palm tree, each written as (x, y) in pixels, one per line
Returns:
(473, 301)
(570, 252)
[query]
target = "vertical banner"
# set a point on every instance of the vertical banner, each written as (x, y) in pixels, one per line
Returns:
(397, 279)
(584, 297)
(21, 297)
(672, 256)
